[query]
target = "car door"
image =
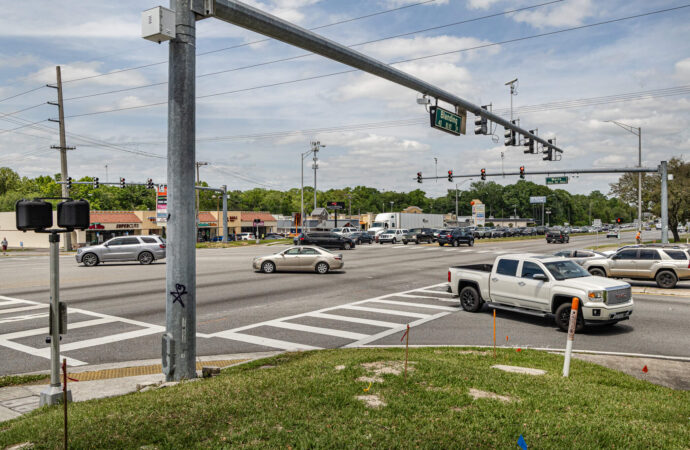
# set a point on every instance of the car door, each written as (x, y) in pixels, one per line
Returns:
(130, 248)
(113, 250)
(307, 259)
(532, 293)
(289, 259)
(624, 263)
(646, 259)
(503, 281)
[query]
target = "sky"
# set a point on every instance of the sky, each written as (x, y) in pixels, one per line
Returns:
(254, 123)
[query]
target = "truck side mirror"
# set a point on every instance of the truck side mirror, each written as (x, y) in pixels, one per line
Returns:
(540, 277)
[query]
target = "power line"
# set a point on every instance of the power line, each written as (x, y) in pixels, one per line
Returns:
(250, 43)
(304, 55)
(395, 62)
(21, 110)
(21, 93)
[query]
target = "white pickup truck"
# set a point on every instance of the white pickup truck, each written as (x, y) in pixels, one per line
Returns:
(543, 286)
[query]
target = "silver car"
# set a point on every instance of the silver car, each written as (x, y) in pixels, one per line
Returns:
(300, 258)
(144, 249)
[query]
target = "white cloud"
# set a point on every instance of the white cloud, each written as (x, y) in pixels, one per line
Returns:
(683, 70)
(481, 4)
(570, 13)
(88, 69)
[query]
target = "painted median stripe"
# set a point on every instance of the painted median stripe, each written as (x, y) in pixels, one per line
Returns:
(266, 342)
(316, 330)
(376, 323)
(416, 305)
(384, 311)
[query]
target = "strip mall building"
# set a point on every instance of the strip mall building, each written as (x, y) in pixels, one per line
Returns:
(104, 225)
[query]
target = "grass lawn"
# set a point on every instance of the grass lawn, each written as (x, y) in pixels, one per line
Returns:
(310, 400)
(15, 380)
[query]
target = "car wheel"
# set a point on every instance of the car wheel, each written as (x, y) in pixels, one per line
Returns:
(440, 244)
(563, 318)
(456, 243)
(666, 279)
(322, 268)
(404, 241)
(471, 243)
(347, 246)
(548, 241)
(394, 240)
(597, 272)
(359, 242)
(268, 267)
(89, 260)
(469, 299)
(145, 258)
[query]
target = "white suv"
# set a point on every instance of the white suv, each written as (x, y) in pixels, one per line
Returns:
(394, 236)
(345, 231)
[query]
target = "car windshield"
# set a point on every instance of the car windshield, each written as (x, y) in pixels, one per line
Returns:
(337, 230)
(378, 225)
(563, 270)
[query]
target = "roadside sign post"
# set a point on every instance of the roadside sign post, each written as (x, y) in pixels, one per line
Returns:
(335, 206)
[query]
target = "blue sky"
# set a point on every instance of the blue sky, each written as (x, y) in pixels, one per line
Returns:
(91, 39)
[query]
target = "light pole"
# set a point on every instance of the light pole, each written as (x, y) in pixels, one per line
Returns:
(637, 132)
(315, 148)
(548, 217)
(436, 168)
(392, 206)
(217, 197)
(456, 196)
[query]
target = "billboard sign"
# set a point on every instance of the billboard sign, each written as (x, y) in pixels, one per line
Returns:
(537, 200)
(336, 205)
(162, 204)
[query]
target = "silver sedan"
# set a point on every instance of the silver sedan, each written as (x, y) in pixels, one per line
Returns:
(300, 258)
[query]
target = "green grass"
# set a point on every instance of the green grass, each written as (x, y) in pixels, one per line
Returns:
(304, 402)
(232, 244)
(15, 380)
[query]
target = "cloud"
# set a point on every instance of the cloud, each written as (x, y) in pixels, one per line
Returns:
(75, 70)
(682, 73)
(403, 48)
(570, 13)
(399, 3)
(481, 4)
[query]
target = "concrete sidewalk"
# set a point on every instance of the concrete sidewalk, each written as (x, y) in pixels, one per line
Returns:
(108, 380)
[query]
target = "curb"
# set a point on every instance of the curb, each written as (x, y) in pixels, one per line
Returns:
(659, 291)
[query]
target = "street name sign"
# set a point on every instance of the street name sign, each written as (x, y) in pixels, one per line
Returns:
(537, 200)
(448, 121)
(556, 180)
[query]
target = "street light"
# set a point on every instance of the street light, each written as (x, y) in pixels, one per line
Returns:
(637, 132)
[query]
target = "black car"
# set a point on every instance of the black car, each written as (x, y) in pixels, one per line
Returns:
(456, 237)
(361, 236)
(418, 235)
(557, 236)
(325, 239)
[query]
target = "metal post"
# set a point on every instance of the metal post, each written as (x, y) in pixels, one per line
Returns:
(639, 179)
(663, 169)
(456, 203)
(316, 166)
(179, 341)
(52, 395)
(225, 213)
(301, 219)
(63, 149)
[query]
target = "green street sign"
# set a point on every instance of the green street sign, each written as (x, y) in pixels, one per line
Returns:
(447, 121)
(556, 180)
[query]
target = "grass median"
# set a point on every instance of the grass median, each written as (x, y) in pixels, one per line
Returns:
(327, 399)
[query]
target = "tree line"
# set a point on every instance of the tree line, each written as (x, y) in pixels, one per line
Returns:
(500, 201)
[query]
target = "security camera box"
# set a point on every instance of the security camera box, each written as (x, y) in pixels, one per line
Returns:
(158, 24)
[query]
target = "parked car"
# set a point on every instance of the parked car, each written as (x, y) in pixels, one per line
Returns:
(273, 237)
(456, 237)
(580, 256)
(393, 236)
(541, 230)
(325, 239)
(345, 231)
(362, 236)
(144, 249)
(557, 236)
(417, 235)
(541, 286)
(300, 258)
(528, 231)
(245, 236)
(664, 264)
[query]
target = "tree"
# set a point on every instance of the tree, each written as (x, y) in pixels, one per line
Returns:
(9, 180)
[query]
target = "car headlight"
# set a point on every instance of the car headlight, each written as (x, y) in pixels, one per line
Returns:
(596, 296)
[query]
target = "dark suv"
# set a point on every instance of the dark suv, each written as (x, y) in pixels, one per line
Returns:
(557, 236)
(456, 237)
(325, 239)
(418, 235)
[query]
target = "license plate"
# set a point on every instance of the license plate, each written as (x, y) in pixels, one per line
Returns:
(620, 315)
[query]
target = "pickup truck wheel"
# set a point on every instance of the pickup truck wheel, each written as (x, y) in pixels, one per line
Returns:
(597, 272)
(469, 299)
(404, 242)
(394, 240)
(440, 244)
(471, 243)
(563, 318)
(456, 243)
(666, 279)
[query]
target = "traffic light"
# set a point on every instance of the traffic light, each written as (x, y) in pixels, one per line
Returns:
(69, 183)
(619, 220)
(149, 183)
(481, 125)
(419, 177)
(529, 143)
(483, 174)
(510, 135)
(522, 172)
(95, 183)
(548, 151)
(122, 182)
(450, 176)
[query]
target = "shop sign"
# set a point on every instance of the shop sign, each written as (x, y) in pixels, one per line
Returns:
(121, 226)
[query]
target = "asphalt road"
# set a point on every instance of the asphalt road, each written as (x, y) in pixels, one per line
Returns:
(117, 311)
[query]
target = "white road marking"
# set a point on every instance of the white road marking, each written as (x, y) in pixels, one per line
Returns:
(23, 308)
(384, 311)
(485, 251)
(376, 323)
(467, 250)
(317, 330)
(416, 305)
(266, 342)
(383, 334)
(21, 318)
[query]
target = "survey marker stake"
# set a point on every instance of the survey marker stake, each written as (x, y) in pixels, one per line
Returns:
(407, 347)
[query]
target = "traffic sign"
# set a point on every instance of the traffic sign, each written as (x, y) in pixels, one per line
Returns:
(556, 180)
(447, 121)
(537, 200)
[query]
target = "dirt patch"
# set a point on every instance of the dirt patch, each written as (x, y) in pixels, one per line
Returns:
(388, 367)
(472, 352)
(370, 379)
(340, 367)
(371, 401)
(518, 369)
(476, 393)
(267, 366)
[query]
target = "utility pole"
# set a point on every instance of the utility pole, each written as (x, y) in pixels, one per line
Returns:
(637, 131)
(436, 168)
(179, 340)
(198, 183)
(106, 173)
(349, 200)
(63, 144)
(315, 146)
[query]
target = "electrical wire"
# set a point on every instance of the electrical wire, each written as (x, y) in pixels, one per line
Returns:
(249, 43)
(21, 93)
(21, 110)
(282, 83)
(304, 55)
